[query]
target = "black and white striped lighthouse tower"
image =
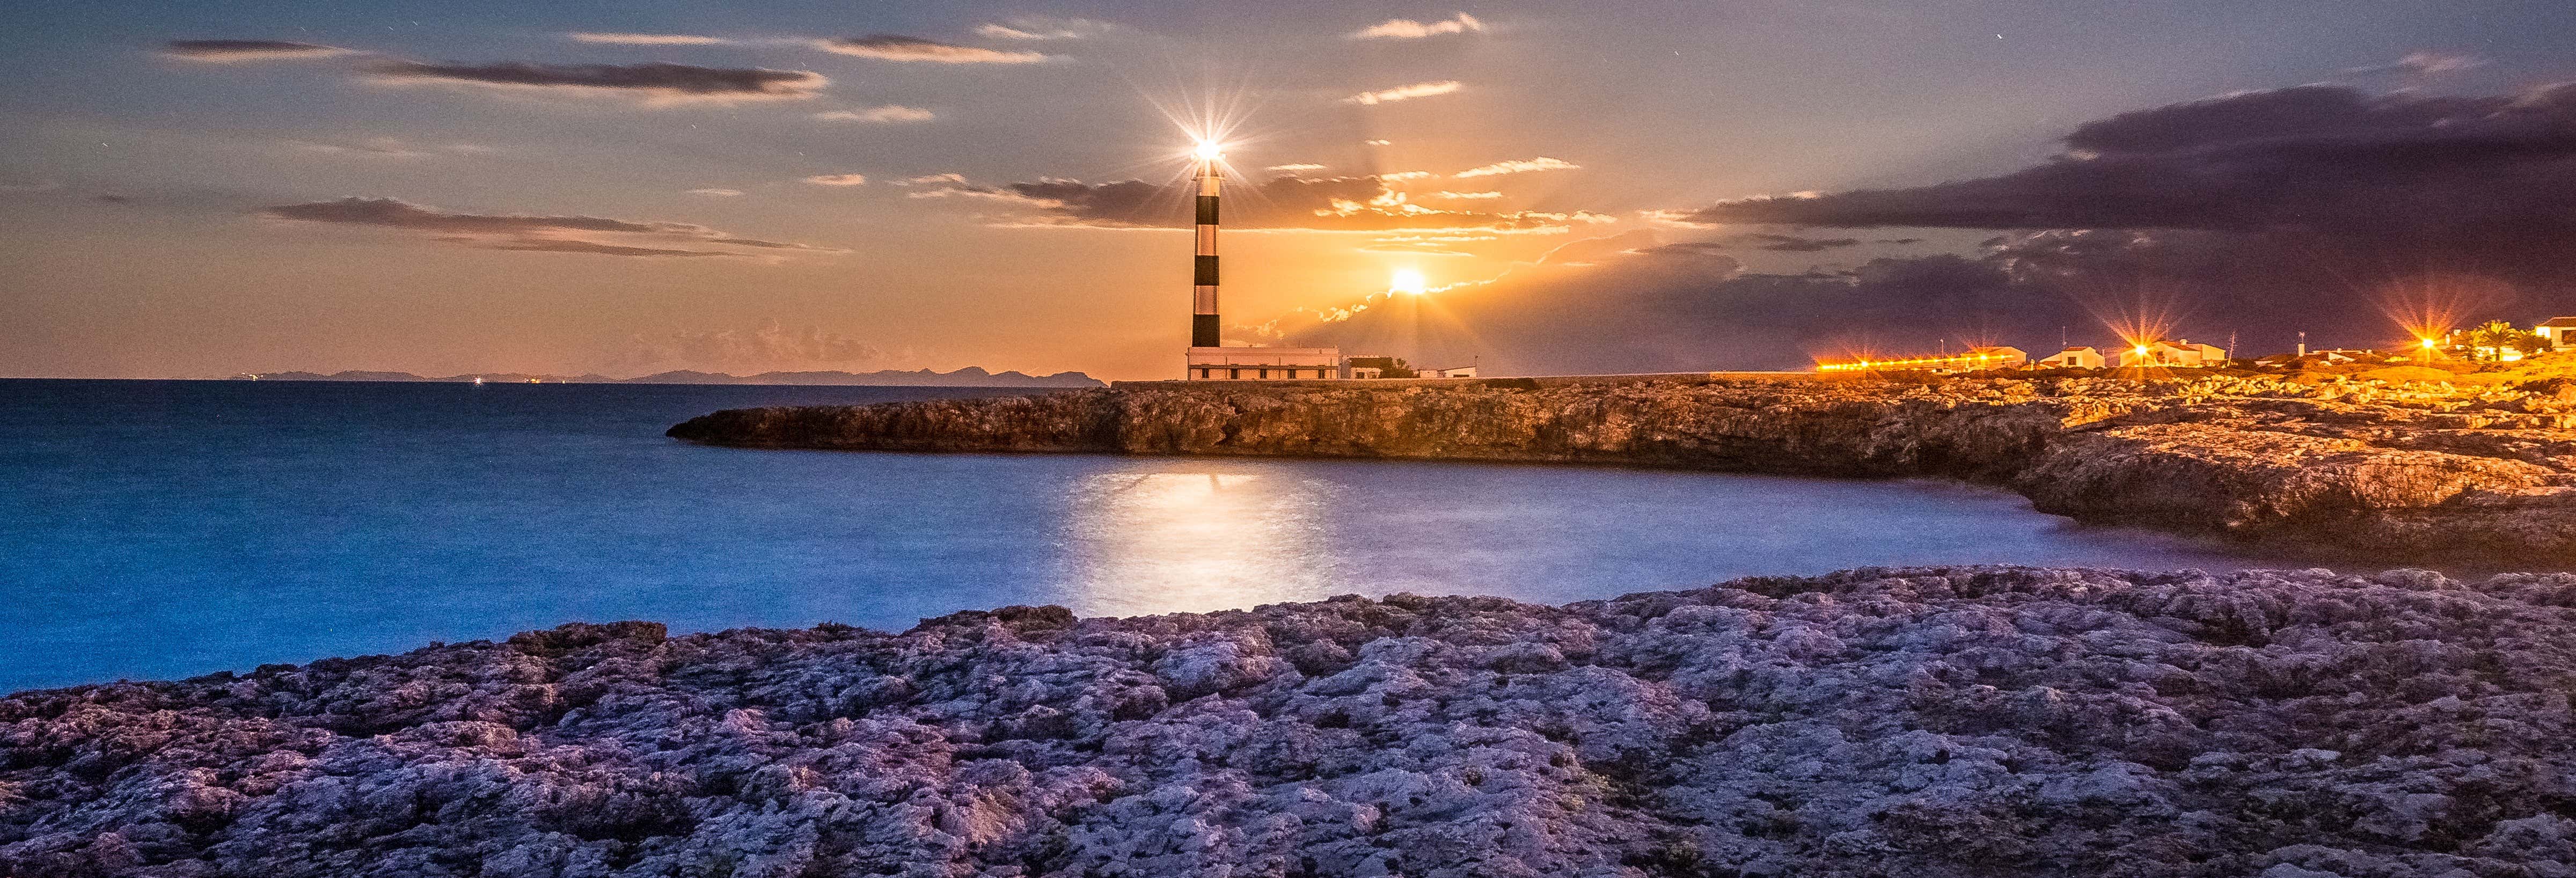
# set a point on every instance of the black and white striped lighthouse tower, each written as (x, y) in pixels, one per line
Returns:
(1207, 358)
(1204, 328)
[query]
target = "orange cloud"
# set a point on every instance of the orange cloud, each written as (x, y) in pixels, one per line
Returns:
(1404, 93)
(1524, 166)
(896, 47)
(1409, 29)
(888, 113)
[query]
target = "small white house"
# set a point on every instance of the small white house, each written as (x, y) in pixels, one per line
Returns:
(2074, 358)
(2180, 353)
(1261, 364)
(1456, 372)
(2558, 330)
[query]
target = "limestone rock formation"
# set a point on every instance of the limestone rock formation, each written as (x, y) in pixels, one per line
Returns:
(1924, 722)
(2468, 474)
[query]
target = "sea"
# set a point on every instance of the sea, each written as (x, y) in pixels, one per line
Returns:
(162, 529)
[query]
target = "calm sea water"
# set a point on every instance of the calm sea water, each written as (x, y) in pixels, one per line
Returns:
(153, 529)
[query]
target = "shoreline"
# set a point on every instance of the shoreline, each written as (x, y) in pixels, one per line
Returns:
(2359, 470)
(1946, 721)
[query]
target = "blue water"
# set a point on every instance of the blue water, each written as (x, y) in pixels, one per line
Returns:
(154, 529)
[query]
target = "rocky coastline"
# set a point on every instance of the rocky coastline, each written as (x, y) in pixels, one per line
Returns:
(2474, 473)
(1964, 721)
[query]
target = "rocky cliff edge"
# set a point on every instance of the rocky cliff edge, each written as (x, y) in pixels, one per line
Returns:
(2475, 474)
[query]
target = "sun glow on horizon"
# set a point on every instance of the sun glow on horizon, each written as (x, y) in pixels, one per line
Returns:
(1407, 280)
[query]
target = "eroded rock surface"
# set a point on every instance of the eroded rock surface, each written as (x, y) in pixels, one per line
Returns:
(1920, 722)
(2481, 475)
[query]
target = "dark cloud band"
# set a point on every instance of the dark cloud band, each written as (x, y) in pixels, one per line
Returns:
(896, 47)
(2328, 158)
(535, 233)
(249, 50)
(657, 82)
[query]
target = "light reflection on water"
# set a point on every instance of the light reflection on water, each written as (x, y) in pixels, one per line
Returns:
(1148, 542)
(1165, 535)
(160, 529)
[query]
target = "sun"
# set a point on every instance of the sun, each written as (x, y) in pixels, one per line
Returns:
(1407, 280)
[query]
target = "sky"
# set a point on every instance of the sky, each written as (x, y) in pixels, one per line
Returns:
(623, 188)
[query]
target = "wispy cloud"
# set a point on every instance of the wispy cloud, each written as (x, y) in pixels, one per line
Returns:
(895, 47)
(2423, 63)
(624, 39)
(386, 147)
(227, 51)
(1523, 166)
(1680, 219)
(1405, 92)
(838, 179)
(716, 193)
(945, 187)
(1409, 29)
(594, 235)
(1466, 196)
(1406, 175)
(654, 84)
(1377, 142)
(1040, 27)
(1793, 243)
(1296, 168)
(932, 179)
(884, 114)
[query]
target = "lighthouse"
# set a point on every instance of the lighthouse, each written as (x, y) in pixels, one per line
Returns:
(1203, 319)
(1208, 358)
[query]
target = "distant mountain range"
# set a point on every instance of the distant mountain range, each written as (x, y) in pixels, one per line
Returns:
(971, 376)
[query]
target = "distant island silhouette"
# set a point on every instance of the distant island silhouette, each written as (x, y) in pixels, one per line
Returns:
(971, 376)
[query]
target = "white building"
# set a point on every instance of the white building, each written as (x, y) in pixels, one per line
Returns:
(1453, 372)
(1263, 364)
(2074, 358)
(2181, 353)
(2558, 330)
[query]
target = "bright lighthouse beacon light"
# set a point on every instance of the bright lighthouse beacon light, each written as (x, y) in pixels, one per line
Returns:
(1208, 150)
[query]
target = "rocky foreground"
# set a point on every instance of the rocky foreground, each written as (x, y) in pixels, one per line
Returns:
(2473, 474)
(1922, 722)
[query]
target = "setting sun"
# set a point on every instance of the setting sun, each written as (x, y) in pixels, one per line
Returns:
(1408, 280)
